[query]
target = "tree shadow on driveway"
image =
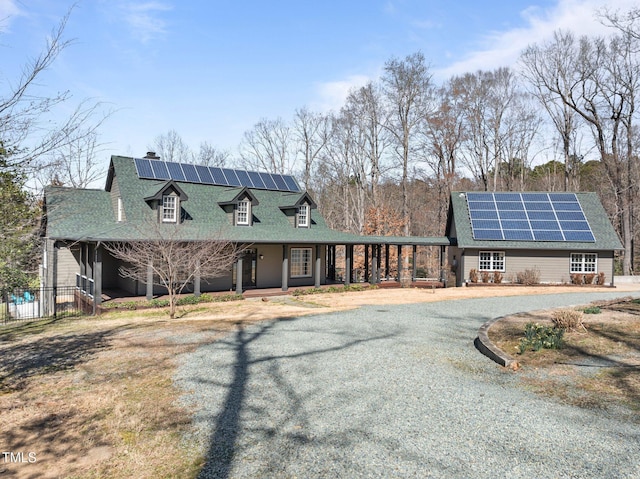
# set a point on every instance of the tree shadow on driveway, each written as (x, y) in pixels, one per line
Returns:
(228, 424)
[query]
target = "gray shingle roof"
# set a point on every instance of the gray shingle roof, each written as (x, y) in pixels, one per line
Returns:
(606, 237)
(90, 215)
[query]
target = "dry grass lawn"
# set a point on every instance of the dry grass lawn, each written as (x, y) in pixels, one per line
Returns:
(93, 397)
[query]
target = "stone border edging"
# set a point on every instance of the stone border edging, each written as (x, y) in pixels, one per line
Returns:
(490, 350)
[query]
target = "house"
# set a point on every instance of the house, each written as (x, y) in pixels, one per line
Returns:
(288, 242)
(558, 234)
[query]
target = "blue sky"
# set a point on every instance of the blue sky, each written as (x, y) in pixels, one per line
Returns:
(211, 69)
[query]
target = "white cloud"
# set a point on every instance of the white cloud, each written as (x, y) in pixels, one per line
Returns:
(8, 11)
(502, 48)
(332, 95)
(144, 19)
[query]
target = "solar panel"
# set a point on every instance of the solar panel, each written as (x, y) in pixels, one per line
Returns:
(190, 173)
(518, 235)
(515, 225)
(175, 170)
(218, 176)
(487, 234)
(279, 181)
(485, 215)
(513, 215)
(160, 171)
(571, 215)
(528, 217)
(486, 224)
(243, 176)
(199, 174)
(255, 178)
(579, 236)
(231, 176)
(268, 181)
(291, 182)
(143, 168)
(204, 174)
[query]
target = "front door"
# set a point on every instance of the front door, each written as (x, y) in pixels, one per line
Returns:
(249, 262)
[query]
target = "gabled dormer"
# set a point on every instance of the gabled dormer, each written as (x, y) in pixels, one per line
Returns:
(167, 201)
(240, 207)
(299, 212)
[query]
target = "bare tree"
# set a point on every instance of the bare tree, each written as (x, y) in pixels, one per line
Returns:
(27, 131)
(311, 131)
(444, 134)
(174, 262)
(548, 68)
(76, 163)
(171, 147)
(268, 147)
(370, 120)
(408, 89)
(209, 155)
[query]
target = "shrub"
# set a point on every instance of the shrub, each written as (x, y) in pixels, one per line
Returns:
(568, 319)
(485, 276)
(576, 278)
(528, 277)
(473, 275)
(537, 337)
(497, 277)
(601, 278)
(592, 310)
(588, 278)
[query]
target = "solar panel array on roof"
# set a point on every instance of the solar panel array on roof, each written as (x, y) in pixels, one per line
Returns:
(209, 175)
(528, 217)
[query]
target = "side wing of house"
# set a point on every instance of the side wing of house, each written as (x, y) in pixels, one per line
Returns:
(551, 235)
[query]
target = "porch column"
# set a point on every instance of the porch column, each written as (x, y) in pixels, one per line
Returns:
(348, 263)
(442, 272)
(374, 264)
(399, 262)
(196, 281)
(386, 261)
(149, 281)
(318, 266)
(285, 268)
(415, 256)
(379, 265)
(239, 275)
(366, 263)
(97, 278)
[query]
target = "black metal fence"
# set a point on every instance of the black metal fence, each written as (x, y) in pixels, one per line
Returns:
(30, 304)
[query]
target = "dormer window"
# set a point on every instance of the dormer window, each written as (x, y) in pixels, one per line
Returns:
(303, 216)
(169, 208)
(243, 212)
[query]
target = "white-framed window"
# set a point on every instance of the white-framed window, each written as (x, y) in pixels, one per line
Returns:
(243, 212)
(301, 262)
(120, 210)
(584, 262)
(303, 216)
(491, 261)
(169, 208)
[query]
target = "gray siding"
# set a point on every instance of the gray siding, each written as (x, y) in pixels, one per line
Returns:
(553, 265)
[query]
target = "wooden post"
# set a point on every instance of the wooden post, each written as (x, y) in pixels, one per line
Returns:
(348, 264)
(285, 268)
(239, 275)
(318, 267)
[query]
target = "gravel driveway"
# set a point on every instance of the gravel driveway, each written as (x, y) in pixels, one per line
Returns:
(391, 391)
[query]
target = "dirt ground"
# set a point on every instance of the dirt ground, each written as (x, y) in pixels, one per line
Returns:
(93, 397)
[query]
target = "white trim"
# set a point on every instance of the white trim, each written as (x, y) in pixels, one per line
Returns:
(243, 212)
(583, 263)
(303, 215)
(494, 262)
(301, 262)
(120, 209)
(169, 212)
